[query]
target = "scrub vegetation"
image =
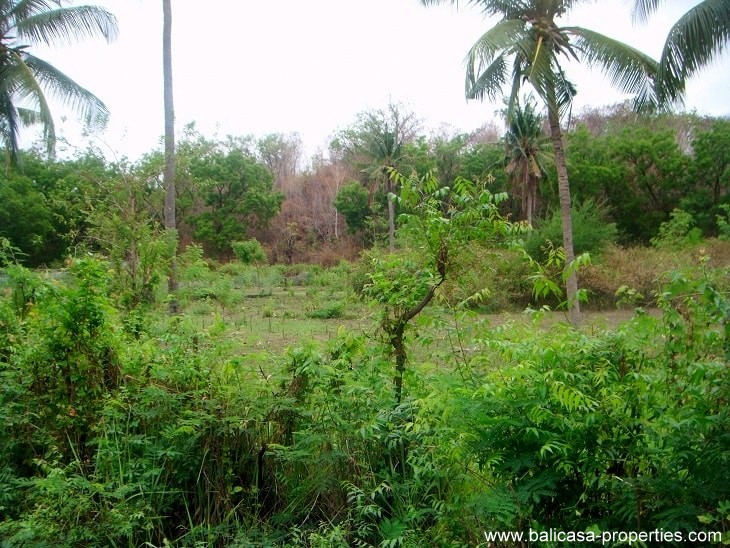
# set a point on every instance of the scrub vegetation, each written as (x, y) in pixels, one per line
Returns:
(415, 340)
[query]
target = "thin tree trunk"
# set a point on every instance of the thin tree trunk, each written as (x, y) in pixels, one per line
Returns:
(169, 174)
(526, 193)
(571, 283)
(391, 216)
(391, 224)
(532, 198)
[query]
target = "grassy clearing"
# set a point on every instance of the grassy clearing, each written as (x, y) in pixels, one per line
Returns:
(263, 312)
(272, 308)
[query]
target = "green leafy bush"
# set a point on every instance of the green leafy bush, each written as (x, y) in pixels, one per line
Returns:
(592, 231)
(173, 434)
(332, 310)
(679, 231)
(723, 222)
(191, 264)
(352, 202)
(249, 251)
(488, 279)
(584, 433)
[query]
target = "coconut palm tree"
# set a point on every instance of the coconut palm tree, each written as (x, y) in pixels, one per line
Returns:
(693, 42)
(528, 46)
(526, 147)
(376, 144)
(25, 79)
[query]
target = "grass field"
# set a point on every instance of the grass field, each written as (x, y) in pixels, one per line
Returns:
(263, 312)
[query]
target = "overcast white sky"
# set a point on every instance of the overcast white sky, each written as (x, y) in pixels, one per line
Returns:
(255, 67)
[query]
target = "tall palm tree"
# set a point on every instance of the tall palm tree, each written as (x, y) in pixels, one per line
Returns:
(526, 148)
(527, 46)
(377, 144)
(692, 43)
(169, 173)
(24, 78)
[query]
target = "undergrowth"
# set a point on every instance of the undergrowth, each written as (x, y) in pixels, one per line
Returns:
(131, 428)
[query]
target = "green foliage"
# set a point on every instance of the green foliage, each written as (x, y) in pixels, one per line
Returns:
(332, 310)
(68, 364)
(679, 231)
(183, 431)
(645, 167)
(352, 203)
(249, 251)
(596, 432)
(138, 247)
(548, 278)
(723, 222)
(26, 289)
(527, 154)
(71, 189)
(638, 170)
(25, 216)
(591, 231)
(485, 160)
(237, 192)
(191, 264)
(488, 279)
(376, 144)
(710, 173)
(439, 220)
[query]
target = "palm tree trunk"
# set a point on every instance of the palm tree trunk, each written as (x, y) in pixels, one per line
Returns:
(169, 173)
(571, 283)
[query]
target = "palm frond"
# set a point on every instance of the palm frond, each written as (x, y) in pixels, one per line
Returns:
(25, 86)
(694, 40)
(642, 9)
(540, 68)
(29, 117)
(9, 125)
(21, 9)
(21, 83)
(507, 9)
(565, 92)
(488, 82)
(67, 25)
(628, 69)
(503, 8)
(504, 35)
(91, 109)
(513, 100)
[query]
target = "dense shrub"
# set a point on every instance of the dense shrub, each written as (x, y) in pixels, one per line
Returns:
(623, 430)
(249, 251)
(591, 231)
(679, 231)
(489, 280)
(167, 439)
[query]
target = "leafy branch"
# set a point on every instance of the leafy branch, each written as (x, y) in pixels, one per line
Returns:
(437, 220)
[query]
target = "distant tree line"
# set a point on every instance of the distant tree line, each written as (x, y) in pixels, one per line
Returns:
(638, 168)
